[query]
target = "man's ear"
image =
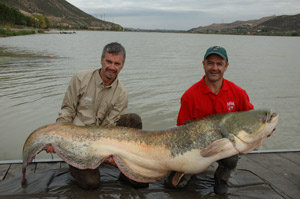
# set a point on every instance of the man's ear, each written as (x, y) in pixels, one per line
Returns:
(227, 64)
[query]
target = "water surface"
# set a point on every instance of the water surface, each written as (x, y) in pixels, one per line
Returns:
(158, 69)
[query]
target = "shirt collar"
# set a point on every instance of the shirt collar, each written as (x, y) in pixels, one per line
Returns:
(206, 90)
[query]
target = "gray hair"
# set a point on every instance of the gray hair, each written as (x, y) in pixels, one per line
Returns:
(114, 48)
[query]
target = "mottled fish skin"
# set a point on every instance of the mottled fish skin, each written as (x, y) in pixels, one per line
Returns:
(146, 156)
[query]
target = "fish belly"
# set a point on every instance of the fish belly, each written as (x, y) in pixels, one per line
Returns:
(138, 161)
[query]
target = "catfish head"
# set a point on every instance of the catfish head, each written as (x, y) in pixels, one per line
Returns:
(249, 129)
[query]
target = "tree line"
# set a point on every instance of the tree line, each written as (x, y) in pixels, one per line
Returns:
(12, 16)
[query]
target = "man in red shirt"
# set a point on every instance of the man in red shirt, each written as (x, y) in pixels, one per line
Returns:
(213, 94)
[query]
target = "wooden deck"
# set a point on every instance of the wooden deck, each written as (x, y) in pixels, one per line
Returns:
(281, 171)
(278, 171)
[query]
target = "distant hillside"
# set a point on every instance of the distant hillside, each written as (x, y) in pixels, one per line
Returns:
(225, 26)
(273, 25)
(281, 23)
(60, 13)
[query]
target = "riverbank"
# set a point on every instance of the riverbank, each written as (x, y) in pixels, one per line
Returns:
(5, 33)
(8, 32)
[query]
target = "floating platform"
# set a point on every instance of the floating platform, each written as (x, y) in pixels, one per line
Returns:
(262, 174)
(60, 32)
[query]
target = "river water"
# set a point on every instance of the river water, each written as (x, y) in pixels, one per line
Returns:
(35, 71)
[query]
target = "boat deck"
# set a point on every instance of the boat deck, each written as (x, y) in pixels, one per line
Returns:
(259, 175)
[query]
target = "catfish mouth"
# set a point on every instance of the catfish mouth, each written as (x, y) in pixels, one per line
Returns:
(246, 142)
(270, 118)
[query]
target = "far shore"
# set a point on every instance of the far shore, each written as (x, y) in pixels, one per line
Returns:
(8, 32)
(15, 31)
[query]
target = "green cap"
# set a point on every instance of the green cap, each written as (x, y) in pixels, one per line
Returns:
(216, 50)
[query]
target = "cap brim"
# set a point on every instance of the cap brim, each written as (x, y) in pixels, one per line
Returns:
(221, 55)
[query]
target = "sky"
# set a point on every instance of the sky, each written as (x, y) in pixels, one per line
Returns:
(183, 14)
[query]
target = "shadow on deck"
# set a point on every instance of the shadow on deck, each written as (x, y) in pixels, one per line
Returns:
(259, 175)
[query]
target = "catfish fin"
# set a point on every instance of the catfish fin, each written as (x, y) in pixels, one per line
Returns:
(176, 178)
(225, 133)
(216, 147)
(49, 149)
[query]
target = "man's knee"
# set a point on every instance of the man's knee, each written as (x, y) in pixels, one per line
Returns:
(131, 120)
(86, 178)
(229, 163)
(226, 168)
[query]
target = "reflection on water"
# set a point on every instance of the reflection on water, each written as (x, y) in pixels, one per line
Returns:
(158, 69)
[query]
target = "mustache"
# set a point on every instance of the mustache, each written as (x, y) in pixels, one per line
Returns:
(214, 71)
(110, 70)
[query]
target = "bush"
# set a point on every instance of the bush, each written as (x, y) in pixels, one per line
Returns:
(2, 31)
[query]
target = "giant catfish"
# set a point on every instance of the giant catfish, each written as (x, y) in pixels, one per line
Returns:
(145, 156)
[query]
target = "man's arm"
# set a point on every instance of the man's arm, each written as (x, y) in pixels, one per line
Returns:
(245, 104)
(184, 113)
(70, 101)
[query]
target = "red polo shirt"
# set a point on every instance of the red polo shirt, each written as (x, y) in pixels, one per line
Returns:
(198, 101)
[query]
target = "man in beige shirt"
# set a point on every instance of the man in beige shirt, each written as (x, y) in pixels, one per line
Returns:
(97, 97)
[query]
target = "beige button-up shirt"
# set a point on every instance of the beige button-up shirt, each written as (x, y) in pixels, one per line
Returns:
(88, 102)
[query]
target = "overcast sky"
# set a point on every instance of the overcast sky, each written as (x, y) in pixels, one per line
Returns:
(183, 14)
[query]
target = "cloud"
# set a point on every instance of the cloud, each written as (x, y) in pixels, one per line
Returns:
(179, 14)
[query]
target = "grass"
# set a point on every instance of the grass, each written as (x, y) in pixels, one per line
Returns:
(7, 33)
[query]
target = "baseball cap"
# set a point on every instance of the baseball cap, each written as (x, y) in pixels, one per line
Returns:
(216, 50)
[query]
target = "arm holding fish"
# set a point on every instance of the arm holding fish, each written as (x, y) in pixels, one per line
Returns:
(70, 102)
(196, 104)
(245, 104)
(185, 112)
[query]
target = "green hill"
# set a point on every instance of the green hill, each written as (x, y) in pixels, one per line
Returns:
(285, 23)
(12, 16)
(60, 14)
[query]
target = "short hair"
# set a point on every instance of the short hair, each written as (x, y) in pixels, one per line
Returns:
(114, 48)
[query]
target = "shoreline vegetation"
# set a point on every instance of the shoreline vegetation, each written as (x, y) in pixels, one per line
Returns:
(14, 23)
(16, 32)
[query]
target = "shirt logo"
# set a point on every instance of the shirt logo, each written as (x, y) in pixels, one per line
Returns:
(88, 99)
(230, 106)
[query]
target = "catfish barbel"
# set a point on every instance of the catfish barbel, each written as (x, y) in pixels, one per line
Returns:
(145, 156)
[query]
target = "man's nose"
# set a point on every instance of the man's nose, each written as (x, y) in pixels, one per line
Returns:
(113, 66)
(214, 66)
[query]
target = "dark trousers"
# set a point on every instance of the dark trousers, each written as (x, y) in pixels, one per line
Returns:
(226, 168)
(90, 178)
